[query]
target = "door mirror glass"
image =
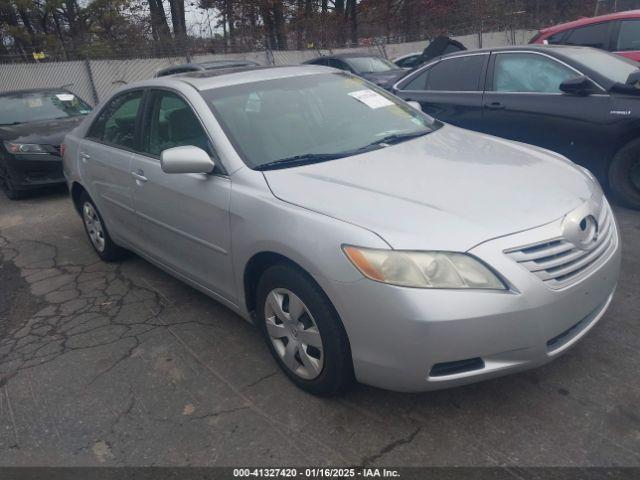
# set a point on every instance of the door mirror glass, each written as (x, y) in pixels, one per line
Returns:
(416, 105)
(187, 159)
(577, 86)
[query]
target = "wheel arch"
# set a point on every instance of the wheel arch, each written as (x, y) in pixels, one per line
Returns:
(76, 193)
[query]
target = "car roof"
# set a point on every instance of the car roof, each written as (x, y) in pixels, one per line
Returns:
(590, 20)
(224, 77)
(557, 49)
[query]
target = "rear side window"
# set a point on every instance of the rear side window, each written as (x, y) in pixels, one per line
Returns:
(409, 62)
(116, 123)
(529, 73)
(172, 123)
(556, 38)
(418, 83)
(629, 36)
(460, 74)
(335, 63)
(596, 36)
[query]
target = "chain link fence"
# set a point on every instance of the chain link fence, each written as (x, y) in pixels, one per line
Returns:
(94, 80)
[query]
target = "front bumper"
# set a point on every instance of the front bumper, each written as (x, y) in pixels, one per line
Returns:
(408, 339)
(33, 171)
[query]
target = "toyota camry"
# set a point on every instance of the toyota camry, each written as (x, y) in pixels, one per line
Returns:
(365, 239)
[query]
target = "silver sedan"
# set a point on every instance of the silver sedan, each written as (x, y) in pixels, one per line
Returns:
(365, 239)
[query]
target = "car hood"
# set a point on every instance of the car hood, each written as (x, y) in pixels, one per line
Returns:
(44, 132)
(449, 190)
(385, 78)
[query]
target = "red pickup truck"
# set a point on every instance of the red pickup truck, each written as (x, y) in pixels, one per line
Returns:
(617, 32)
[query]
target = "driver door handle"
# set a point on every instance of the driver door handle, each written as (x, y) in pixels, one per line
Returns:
(495, 106)
(139, 176)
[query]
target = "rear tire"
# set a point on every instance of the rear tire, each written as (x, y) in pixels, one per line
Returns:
(97, 232)
(624, 174)
(310, 345)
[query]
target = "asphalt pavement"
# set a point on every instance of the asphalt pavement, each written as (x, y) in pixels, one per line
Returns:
(121, 364)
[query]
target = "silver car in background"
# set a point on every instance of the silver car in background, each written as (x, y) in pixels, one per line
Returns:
(367, 240)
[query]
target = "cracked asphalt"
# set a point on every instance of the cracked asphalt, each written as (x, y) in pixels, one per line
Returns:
(124, 365)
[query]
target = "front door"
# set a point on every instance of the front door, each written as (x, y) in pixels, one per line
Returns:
(523, 102)
(184, 218)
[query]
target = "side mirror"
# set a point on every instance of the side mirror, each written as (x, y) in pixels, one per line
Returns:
(577, 86)
(415, 105)
(187, 159)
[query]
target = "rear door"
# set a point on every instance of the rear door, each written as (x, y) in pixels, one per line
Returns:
(105, 162)
(523, 102)
(449, 90)
(184, 218)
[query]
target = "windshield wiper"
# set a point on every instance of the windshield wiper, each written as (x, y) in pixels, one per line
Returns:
(12, 123)
(397, 138)
(304, 159)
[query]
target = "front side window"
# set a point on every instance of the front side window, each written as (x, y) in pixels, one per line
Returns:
(596, 36)
(629, 36)
(172, 123)
(24, 107)
(528, 72)
(329, 114)
(370, 64)
(461, 74)
(116, 123)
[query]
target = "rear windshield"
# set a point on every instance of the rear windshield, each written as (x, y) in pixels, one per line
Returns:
(370, 64)
(33, 106)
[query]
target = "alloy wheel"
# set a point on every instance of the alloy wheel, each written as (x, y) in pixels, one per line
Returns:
(294, 333)
(94, 226)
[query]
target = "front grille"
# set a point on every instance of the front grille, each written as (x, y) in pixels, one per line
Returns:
(559, 263)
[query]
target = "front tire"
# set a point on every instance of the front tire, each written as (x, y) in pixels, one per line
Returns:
(624, 174)
(7, 184)
(97, 232)
(303, 331)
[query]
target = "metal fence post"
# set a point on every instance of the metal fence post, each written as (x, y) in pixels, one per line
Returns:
(94, 92)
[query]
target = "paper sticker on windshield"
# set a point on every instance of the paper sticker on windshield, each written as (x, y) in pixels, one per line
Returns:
(65, 97)
(371, 99)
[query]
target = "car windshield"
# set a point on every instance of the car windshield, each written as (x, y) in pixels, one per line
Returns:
(613, 67)
(312, 118)
(23, 107)
(370, 64)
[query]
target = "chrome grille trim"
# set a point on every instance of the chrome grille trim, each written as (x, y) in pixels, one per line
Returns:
(559, 263)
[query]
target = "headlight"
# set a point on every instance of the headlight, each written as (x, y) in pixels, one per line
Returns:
(26, 148)
(423, 269)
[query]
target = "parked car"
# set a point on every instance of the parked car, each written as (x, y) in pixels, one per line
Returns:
(409, 61)
(437, 47)
(199, 67)
(370, 67)
(32, 126)
(580, 102)
(363, 237)
(617, 32)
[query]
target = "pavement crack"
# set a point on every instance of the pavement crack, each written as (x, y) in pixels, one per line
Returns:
(366, 461)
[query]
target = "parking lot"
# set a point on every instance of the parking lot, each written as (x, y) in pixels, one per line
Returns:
(124, 365)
